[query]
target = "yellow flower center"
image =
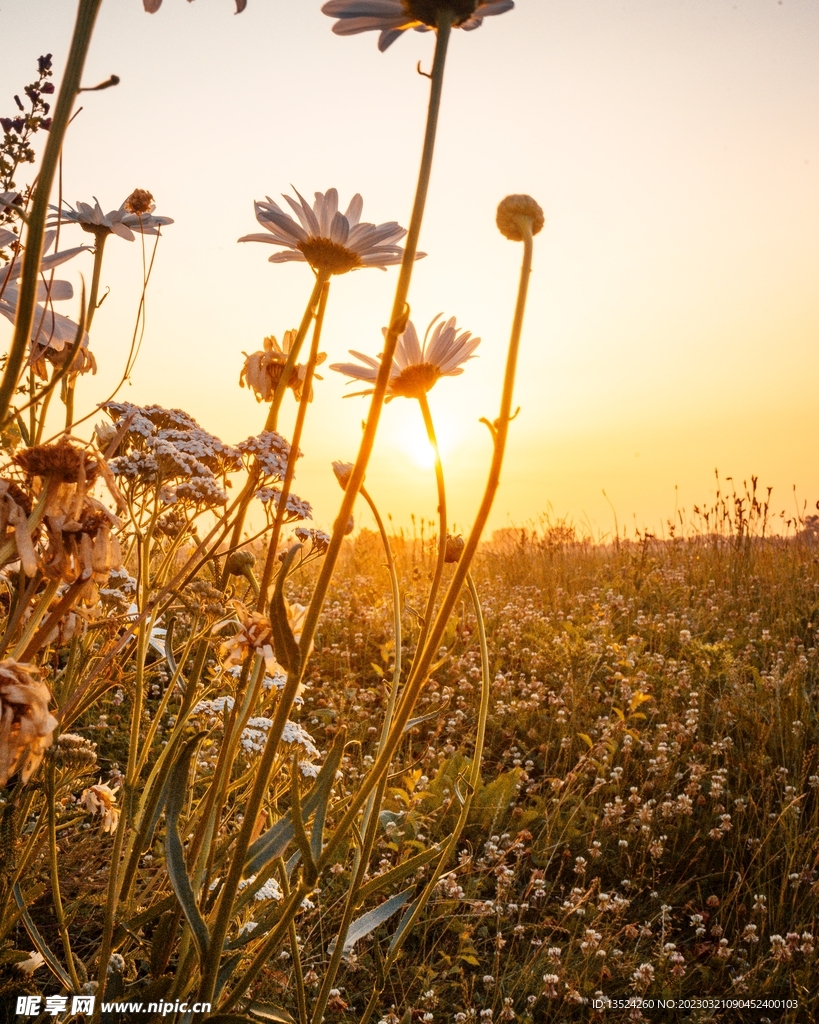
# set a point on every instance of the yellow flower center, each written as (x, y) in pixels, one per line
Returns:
(324, 254)
(415, 380)
(427, 11)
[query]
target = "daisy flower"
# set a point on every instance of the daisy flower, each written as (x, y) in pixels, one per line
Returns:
(392, 17)
(51, 332)
(416, 367)
(330, 241)
(119, 222)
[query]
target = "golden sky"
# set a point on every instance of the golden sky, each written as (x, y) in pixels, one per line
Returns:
(673, 325)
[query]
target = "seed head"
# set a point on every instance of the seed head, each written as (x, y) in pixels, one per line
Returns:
(516, 211)
(140, 201)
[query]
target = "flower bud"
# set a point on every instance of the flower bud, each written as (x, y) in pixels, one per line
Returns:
(139, 201)
(514, 212)
(343, 472)
(239, 563)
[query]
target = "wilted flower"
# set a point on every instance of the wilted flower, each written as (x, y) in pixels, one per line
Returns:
(454, 548)
(26, 726)
(392, 17)
(263, 370)
(415, 368)
(101, 799)
(29, 966)
(330, 241)
(119, 222)
(51, 333)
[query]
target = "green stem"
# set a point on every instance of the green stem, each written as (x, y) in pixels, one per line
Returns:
(442, 526)
(369, 821)
(423, 659)
(273, 415)
(284, 494)
(59, 913)
(83, 28)
(397, 323)
(472, 785)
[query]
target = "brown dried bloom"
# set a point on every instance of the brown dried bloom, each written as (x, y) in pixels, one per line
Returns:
(139, 201)
(26, 726)
(515, 212)
(60, 461)
(454, 548)
(102, 799)
(255, 634)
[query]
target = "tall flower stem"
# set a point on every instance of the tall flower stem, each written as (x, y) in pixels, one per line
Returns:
(83, 28)
(369, 822)
(442, 526)
(398, 319)
(398, 322)
(284, 493)
(423, 659)
(472, 782)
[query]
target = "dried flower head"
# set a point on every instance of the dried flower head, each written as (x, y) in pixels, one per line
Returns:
(516, 214)
(60, 461)
(26, 725)
(454, 548)
(140, 201)
(392, 17)
(330, 241)
(416, 368)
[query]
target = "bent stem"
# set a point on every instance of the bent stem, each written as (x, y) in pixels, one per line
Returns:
(83, 29)
(423, 659)
(398, 320)
(439, 565)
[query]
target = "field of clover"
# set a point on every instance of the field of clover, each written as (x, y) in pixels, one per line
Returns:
(307, 776)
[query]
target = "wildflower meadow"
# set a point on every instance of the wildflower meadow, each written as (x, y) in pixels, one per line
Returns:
(260, 767)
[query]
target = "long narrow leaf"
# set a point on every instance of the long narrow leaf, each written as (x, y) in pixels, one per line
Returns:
(174, 852)
(368, 922)
(38, 941)
(275, 841)
(399, 872)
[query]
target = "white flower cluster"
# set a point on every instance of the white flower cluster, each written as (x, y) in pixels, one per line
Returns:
(271, 451)
(168, 448)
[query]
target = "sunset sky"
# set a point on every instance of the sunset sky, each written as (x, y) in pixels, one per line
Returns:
(673, 324)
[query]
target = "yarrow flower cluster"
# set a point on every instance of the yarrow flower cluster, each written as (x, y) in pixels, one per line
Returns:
(167, 448)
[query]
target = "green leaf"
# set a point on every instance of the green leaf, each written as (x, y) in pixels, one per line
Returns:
(426, 718)
(399, 872)
(491, 802)
(285, 647)
(175, 793)
(275, 841)
(405, 920)
(368, 922)
(38, 941)
(269, 1012)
